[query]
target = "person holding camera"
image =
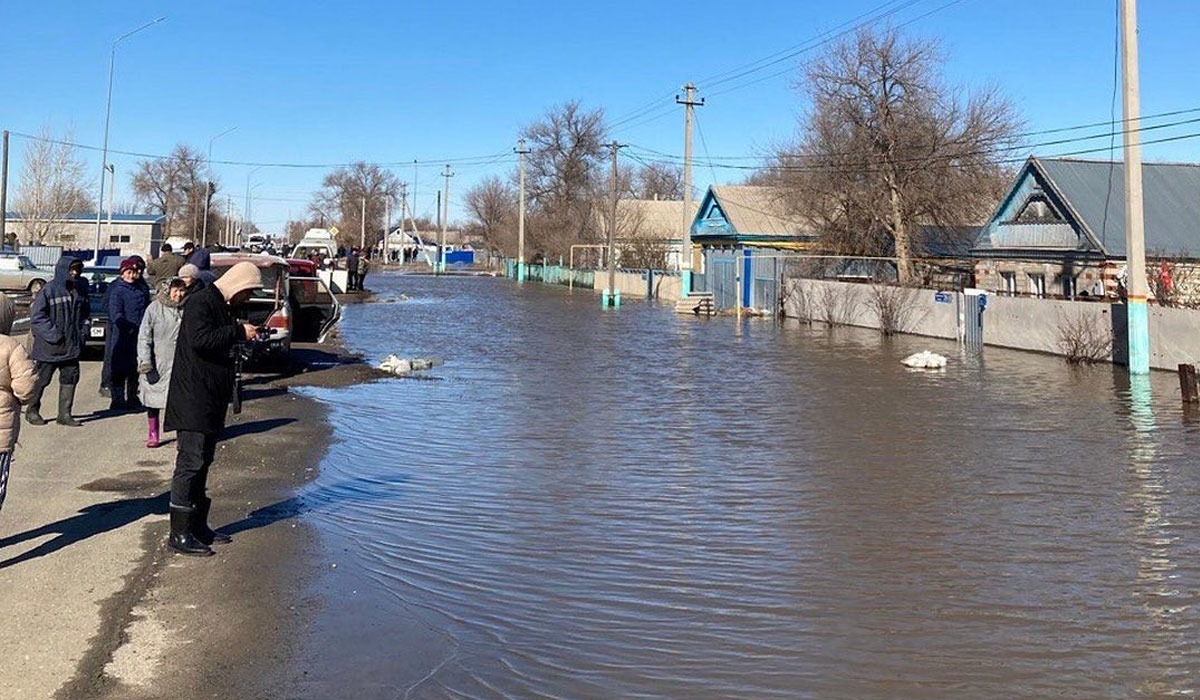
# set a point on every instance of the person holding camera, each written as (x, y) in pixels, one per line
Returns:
(157, 338)
(199, 391)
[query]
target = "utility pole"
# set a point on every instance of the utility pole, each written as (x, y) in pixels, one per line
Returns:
(228, 219)
(112, 170)
(1138, 321)
(611, 296)
(4, 188)
(445, 220)
(521, 152)
(387, 224)
(362, 240)
(685, 256)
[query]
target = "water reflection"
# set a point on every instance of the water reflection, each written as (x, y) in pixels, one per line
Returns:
(634, 504)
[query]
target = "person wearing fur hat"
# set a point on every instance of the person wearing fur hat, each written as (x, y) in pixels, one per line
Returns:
(17, 379)
(156, 342)
(56, 319)
(199, 392)
(128, 297)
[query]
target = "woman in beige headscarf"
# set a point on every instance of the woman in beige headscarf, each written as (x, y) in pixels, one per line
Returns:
(17, 377)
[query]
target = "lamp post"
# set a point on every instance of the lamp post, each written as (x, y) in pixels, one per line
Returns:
(112, 60)
(246, 211)
(208, 185)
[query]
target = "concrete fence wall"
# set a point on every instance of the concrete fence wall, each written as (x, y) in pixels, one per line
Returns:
(1011, 322)
(642, 284)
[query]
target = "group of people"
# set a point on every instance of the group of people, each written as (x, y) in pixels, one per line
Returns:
(170, 346)
(357, 266)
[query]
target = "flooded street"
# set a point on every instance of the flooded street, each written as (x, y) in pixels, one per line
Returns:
(589, 504)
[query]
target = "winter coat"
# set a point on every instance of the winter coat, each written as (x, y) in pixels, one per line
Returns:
(164, 267)
(156, 348)
(56, 316)
(127, 304)
(202, 376)
(17, 377)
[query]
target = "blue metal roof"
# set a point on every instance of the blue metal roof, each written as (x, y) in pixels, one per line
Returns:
(1094, 192)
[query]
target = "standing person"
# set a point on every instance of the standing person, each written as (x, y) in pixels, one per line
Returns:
(165, 267)
(127, 302)
(199, 392)
(56, 318)
(364, 265)
(188, 249)
(352, 270)
(18, 376)
(190, 274)
(156, 351)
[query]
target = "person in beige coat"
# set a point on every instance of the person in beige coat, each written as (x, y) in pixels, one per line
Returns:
(17, 377)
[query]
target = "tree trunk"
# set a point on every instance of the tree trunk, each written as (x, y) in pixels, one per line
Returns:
(904, 271)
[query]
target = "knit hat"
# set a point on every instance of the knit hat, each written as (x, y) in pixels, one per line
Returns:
(239, 278)
(189, 270)
(128, 264)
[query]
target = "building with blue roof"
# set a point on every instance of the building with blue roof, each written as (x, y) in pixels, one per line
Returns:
(1060, 230)
(130, 234)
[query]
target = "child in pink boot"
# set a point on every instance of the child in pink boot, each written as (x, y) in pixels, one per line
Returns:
(156, 351)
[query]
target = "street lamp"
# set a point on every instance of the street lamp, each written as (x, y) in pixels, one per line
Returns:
(246, 212)
(208, 185)
(112, 59)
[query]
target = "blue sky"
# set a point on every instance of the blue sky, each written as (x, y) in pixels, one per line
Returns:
(321, 82)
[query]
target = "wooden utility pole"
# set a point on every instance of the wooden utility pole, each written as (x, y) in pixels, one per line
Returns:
(521, 151)
(445, 220)
(611, 298)
(685, 255)
(1135, 241)
(4, 188)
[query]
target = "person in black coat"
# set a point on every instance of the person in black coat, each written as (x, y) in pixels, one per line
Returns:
(56, 319)
(200, 390)
(127, 296)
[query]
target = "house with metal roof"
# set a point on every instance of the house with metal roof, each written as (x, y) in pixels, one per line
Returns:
(744, 232)
(649, 232)
(130, 234)
(1060, 230)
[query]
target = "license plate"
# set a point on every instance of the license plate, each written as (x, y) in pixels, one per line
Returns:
(97, 332)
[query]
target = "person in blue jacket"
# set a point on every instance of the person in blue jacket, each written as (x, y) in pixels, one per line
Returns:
(56, 318)
(127, 302)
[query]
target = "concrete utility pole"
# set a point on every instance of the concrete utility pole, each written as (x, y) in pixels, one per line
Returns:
(685, 256)
(445, 220)
(4, 188)
(362, 240)
(1138, 315)
(521, 153)
(112, 170)
(387, 224)
(228, 219)
(611, 296)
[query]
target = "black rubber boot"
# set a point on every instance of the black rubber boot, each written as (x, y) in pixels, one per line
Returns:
(34, 416)
(181, 539)
(66, 400)
(200, 528)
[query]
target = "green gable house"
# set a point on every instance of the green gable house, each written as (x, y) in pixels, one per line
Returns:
(1060, 231)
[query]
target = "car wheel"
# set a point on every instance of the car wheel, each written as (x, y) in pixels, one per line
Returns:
(36, 286)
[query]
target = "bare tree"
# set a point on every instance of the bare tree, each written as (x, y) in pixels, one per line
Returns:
(493, 205)
(659, 181)
(564, 176)
(176, 187)
(342, 194)
(888, 148)
(1083, 339)
(53, 186)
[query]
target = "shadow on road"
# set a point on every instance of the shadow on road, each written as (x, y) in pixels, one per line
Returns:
(253, 427)
(92, 520)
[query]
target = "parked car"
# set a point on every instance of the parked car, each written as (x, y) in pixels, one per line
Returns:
(18, 272)
(290, 308)
(96, 326)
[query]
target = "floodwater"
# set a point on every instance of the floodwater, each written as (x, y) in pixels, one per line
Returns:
(631, 504)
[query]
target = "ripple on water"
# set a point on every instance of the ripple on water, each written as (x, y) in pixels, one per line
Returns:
(637, 504)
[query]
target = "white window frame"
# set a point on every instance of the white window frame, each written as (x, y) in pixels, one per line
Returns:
(1037, 284)
(1009, 282)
